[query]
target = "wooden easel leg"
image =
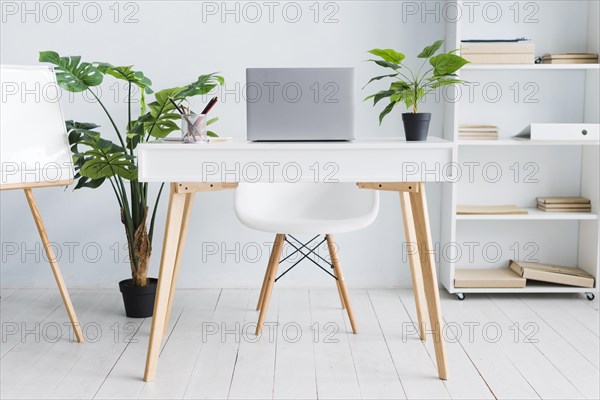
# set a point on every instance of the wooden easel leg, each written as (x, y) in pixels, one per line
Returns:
(421, 217)
(342, 284)
(187, 212)
(266, 278)
(275, 255)
(54, 265)
(173, 228)
(414, 261)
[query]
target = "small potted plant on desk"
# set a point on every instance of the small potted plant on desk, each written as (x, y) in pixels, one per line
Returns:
(98, 160)
(410, 88)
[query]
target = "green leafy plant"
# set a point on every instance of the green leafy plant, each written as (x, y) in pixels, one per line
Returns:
(409, 87)
(98, 160)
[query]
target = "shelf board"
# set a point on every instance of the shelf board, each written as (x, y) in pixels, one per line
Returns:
(476, 67)
(526, 142)
(538, 288)
(534, 214)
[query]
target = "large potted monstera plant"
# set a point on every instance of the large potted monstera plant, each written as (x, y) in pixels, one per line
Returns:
(99, 160)
(410, 88)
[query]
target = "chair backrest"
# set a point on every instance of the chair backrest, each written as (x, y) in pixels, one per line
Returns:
(326, 201)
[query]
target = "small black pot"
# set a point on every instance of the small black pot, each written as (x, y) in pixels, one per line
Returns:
(139, 301)
(416, 126)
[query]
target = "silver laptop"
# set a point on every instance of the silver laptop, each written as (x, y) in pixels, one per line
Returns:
(300, 104)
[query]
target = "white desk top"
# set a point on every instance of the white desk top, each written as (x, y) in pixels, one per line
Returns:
(363, 160)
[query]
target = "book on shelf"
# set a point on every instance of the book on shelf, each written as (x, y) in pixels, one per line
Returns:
(478, 132)
(566, 209)
(571, 276)
(517, 51)
(522, 47)
(563, 200)
(564, 204)
(490, 210)
(495, 58)
(570, 58)
(488, 278)
(467, 137)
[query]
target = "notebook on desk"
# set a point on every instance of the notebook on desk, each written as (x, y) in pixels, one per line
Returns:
(300, 104)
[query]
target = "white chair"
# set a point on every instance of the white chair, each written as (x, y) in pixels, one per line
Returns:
(304, 208)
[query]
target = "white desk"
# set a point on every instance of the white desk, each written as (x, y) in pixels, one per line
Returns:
(379, 164)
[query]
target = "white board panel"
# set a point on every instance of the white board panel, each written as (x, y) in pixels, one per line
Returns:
(34, 148)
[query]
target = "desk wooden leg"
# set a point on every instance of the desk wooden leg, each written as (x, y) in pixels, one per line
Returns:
(173, 229)
(414, 261)
(421, 217)
(187, 212)
(272, 270)
(62, 288)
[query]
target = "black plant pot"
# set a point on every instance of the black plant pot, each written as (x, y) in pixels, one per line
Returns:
(416, 126)
(139, 301)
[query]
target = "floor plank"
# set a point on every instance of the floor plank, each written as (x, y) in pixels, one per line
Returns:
(578, 310)
(415, 367)
(255, 366)
(6, 293)
(465, 380)
(377, 375)
(581, 375)
(336, 373)
(25, 314)
(32, 369)
(98, 355)
(505, 379)
(214, 366)
(295, 373)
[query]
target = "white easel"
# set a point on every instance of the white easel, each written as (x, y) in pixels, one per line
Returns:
(34, 150)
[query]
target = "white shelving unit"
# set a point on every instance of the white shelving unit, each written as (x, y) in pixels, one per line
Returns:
(516, 171)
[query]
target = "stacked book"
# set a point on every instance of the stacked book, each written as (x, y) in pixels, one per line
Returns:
(564, 204)
(570, 58)
(518, 51)
(571, 276)
(478, 132)
(509, 209)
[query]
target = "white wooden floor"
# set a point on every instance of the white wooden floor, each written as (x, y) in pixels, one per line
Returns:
(517, 347)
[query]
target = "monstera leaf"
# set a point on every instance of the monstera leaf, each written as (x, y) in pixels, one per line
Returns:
(103, 159)
(72, 74)
(107, 160)
(78, 132)
(126, 73)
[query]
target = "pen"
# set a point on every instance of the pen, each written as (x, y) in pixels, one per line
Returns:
(210, 105)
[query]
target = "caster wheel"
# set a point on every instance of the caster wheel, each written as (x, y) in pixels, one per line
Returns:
(460, 296)
(590, 296)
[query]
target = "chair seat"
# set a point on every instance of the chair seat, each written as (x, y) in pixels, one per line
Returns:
(305, 208)
(308, 224)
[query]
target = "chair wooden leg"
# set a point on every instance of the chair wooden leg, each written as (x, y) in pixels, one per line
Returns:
(187, 212)
(266, 278)
(414, 261)
(421, 217)
(276, 254)
(337, 283)
(165, 276)
(340, 278)
(62, 288)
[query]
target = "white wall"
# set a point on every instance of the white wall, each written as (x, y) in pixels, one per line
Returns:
(172, 45)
